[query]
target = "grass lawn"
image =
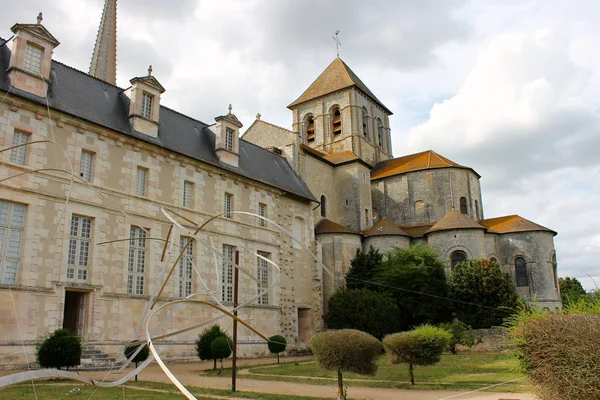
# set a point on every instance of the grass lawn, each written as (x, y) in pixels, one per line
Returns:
(461, 371)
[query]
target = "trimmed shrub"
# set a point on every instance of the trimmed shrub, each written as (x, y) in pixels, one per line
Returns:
(362, 268)
(346, 350)
(59, 349)
(277, 344)
(363, 310)
(141, 356)
(221, 348)
(461, 334)
(204, 341)
(421, 346)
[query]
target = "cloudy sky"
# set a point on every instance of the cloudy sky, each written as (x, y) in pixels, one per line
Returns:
(508, 87)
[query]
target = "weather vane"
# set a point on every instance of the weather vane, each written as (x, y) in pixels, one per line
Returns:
(337, 43)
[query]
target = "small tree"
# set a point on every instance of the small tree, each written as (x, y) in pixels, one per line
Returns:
(477, 283)
(346, 350)
(362, 309)
(421, 346)
(59, 349)
(141, 356)
(571, 290)
(204, 341)
(277, 344)
(461, 334)
(362, 268)
(220, 348)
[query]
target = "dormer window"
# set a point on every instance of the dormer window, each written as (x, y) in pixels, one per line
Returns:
(310, 129)
(229, 139)
(147, 100)
(33, 59)
(336, 122)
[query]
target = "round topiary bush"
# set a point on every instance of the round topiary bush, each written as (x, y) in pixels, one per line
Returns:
(141, 356)
(221, 348)
(277, 344)
(204, 341)
(346, 350)
(421, 346)
(59, 349)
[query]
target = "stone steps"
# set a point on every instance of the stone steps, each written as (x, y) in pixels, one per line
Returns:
(93, 359)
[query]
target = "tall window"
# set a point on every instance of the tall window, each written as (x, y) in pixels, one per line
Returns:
(262, 211)
(365, 122)
(33, 59)
(521, 272)
(457, 257)
(419, 208)
(85, 168)
(19, 155)
(310, 128)
(229, 139)
(262, 275)
(188, 194)
(79, 248)
(228, 205)
(136, 262)
(379, 133)
(336, 122)
(141, 182)
(476, 209)
(463, 205)
(323, 206)
(185, 266)
(298, 229)
(227, 273)
(147, 100)
(12, 221)
(366, 217)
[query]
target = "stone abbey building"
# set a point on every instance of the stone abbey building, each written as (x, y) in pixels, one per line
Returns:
(331, 180)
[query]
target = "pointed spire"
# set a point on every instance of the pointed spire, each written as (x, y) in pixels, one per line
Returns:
(104, 60)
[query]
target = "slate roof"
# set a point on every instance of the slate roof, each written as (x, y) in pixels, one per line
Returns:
(513, 223)
(89, 99)
(416, 231)
(328, 226)
(384, 227)
(413, 162)
(336, 76)
(454, 219)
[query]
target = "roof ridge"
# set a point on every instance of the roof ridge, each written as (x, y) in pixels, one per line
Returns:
(85, 73)
(270, 123)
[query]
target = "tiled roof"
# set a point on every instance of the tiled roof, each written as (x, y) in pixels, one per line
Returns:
(87, 98)
(337, 76)
(455, 220)
(414, 162)
(328, 226)
(341, 157)
(416, 231)
(512, 223)
(384, 227)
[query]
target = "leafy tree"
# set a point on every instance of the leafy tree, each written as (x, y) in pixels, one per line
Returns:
(141, 356)
(204, 341)
(422, 346)
(419, 271)
(59, 349)
(461, 334)
(362, 268)
(346, 350)
(362, 309)
(277, 344)
(221, 348)
(477, 283)
(571, 290)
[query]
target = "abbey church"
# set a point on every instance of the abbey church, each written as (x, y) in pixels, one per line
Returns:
(84, 254)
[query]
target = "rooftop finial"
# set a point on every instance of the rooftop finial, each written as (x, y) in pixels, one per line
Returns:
(337, 43)
(150, 70)
(230, 108)
(40, 18)
(258, 116)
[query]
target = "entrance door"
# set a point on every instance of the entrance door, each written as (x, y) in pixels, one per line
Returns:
(75, 312)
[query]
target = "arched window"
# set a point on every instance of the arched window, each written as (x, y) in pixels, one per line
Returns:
(554, 271)
(521, 272)
(493, 260)
(379, 133)
(365, 122)
(419, 208)
(476, 209)
(310, 128)
(336, 121)
(323, 206)
(457, 257)
(463, 205)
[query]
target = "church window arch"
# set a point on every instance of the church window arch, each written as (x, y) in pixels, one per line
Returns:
(309, 122)
(336, 120)
(419, 208)
(463, 206)
(477, 209)
(365, 123)
(379, 133)
(457, 257)
(323, 206)
(521, 272)
(554, 271)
